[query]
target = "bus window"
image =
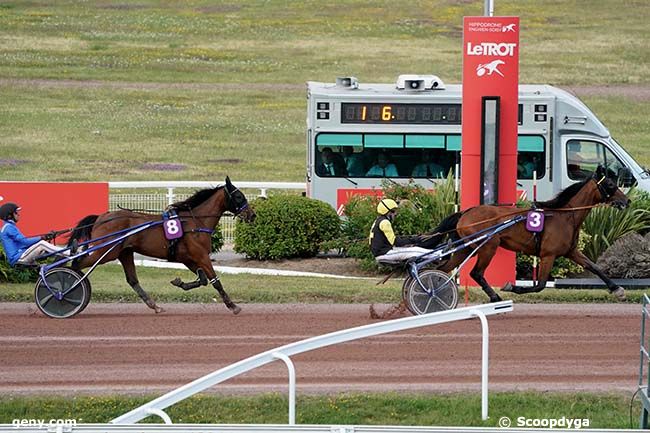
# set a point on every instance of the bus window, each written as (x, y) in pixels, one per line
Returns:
(530, 157)
(583, 156)
(385, 155)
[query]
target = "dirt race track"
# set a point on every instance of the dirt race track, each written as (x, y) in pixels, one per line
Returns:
(125, 348)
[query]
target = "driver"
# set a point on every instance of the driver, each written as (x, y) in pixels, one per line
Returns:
(21, 249)
(385, 246)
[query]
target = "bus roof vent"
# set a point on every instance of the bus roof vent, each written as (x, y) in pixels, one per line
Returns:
(419, 83)
(347, 82)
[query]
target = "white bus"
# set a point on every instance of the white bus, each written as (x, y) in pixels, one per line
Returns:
(358, 134)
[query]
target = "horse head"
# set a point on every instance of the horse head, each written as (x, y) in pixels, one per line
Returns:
(237, 204)
(610, 193)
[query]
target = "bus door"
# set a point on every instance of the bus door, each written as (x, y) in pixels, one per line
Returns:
(583, 154)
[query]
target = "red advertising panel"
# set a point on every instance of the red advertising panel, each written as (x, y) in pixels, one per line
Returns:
(490, 71)
(343, 195)
(54, 206)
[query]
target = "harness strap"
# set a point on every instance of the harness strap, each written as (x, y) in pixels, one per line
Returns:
(202, 230)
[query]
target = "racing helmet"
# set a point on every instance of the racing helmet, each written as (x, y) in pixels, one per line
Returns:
(386, 205)
(7, 210)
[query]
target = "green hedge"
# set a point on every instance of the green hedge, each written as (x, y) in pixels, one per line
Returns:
(15, 275)
(286, 226)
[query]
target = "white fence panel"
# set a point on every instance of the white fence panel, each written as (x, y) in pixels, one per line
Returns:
(158, 201)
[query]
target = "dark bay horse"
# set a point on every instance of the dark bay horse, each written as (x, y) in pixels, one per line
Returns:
(199, 214)
(564, 216)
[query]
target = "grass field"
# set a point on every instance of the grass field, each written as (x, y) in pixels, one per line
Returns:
(591, 410)
(203, 89)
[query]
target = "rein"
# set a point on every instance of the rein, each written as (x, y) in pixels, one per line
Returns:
(487, 220)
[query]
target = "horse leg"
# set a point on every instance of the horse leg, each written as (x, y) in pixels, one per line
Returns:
(545, 267)
(201, 279)
(206, 266)
(126, 258)
(584, 261)
(483, 259)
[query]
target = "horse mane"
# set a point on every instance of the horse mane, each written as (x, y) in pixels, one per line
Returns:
(196, 199)
(563, 197)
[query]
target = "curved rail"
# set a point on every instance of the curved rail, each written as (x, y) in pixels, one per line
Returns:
(284, 352)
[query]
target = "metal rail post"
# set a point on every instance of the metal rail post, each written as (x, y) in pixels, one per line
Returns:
(292, 385)
(484, 362)
(645, 357)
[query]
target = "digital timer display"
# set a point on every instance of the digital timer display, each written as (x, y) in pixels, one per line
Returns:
(434, 114)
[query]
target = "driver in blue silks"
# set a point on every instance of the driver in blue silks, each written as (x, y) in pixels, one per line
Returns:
(21, 249)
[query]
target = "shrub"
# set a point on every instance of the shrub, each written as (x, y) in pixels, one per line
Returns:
(15, 275)
(605, 225)
(286, 226)
(217, 240)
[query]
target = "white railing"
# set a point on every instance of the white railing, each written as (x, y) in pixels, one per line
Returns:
(171, 186)
(283, 353)
(158, 201)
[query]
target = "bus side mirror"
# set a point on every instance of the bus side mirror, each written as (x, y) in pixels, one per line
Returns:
(625, 177)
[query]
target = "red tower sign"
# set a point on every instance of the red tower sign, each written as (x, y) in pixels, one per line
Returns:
(489, 129)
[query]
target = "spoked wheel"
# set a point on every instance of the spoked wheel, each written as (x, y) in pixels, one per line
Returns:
(443, 296)
(56, 303)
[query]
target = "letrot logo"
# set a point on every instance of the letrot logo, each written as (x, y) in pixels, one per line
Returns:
(508, 28)
(490, 68)
(491, 49)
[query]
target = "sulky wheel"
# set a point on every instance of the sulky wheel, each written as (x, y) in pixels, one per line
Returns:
(444, 293)
(65, 298)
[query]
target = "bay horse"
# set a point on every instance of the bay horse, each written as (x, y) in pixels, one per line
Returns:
(199, 215)
(564, 216)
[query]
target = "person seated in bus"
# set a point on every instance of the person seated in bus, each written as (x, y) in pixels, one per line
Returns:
(427, 167)
(578, 166)
(353, 162)
(526, 165)
(18, 248)
(383, 168)
(331, 164)
(385, 246)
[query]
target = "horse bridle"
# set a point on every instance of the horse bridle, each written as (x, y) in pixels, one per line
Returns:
(229, 194)
(605, 195)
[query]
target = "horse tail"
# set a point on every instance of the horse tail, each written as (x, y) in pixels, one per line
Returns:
(83, 229)
(446, 226)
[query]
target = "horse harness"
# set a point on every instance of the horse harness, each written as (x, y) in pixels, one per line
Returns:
(173, 223)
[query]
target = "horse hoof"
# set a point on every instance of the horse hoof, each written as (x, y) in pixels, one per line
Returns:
(158, 309)
(507, 287)
(495, 298)
(177, 282)
(236, 310)
(619, 293)
(373, 312)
